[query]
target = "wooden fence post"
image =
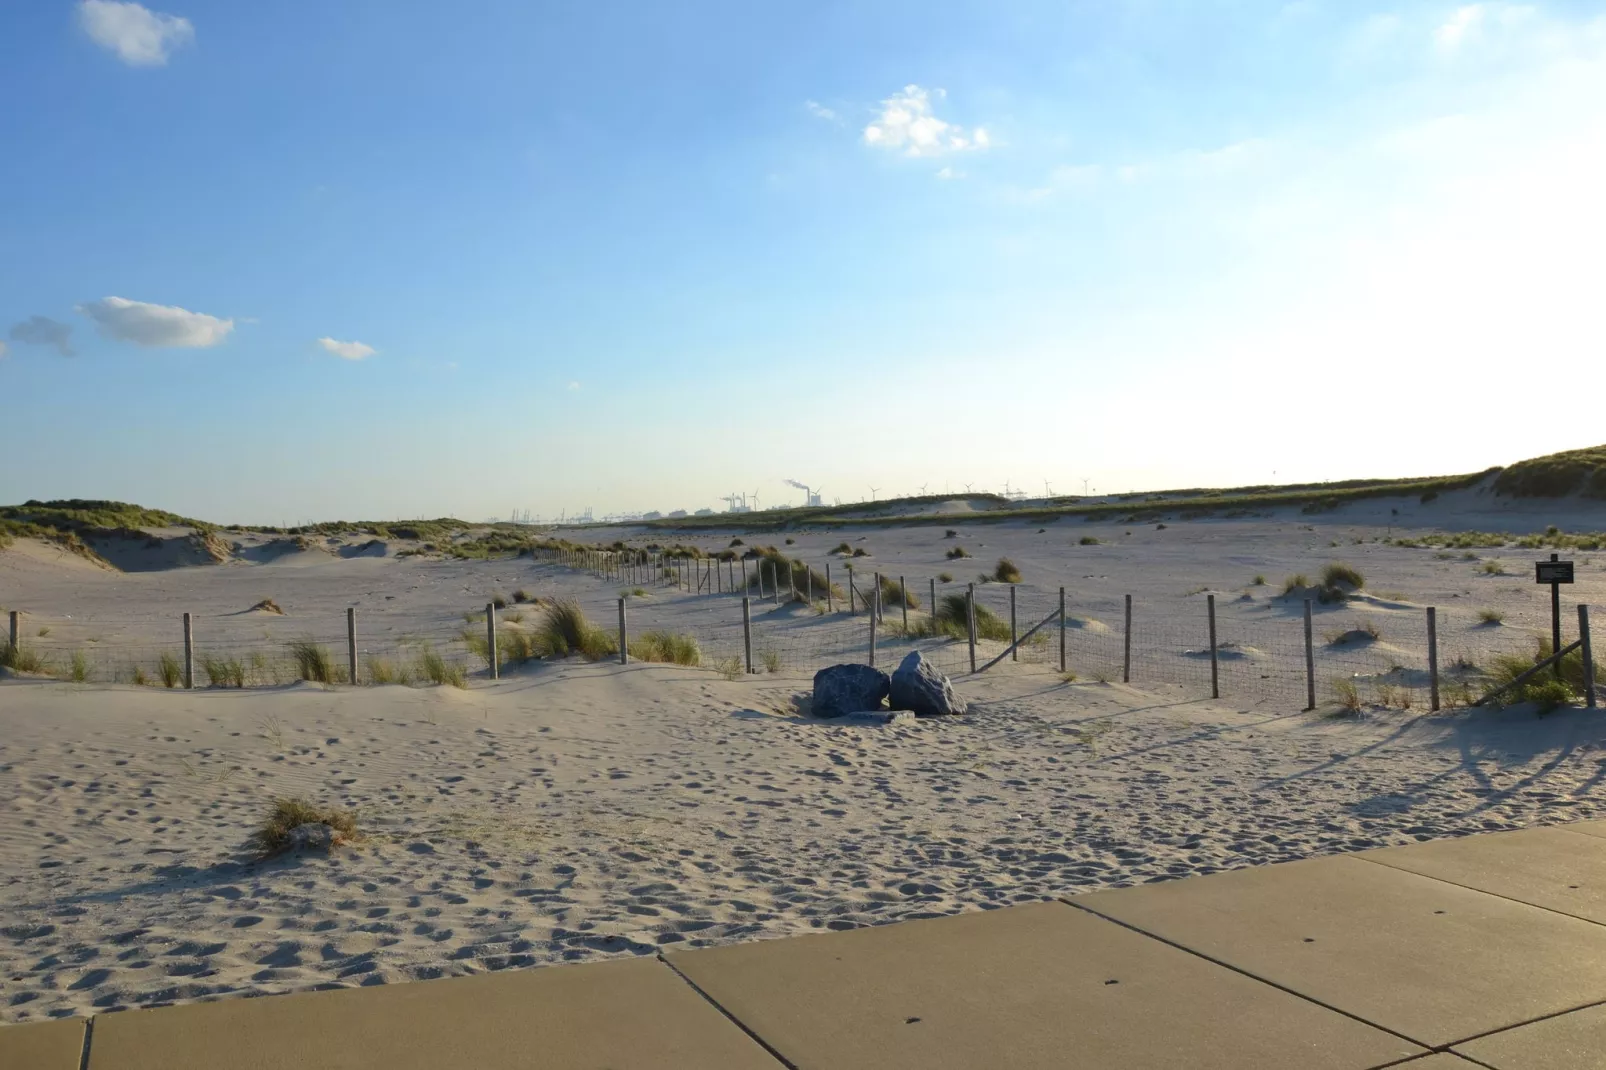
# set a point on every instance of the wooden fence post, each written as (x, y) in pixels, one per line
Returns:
(744, 577)
(1062, 629)
(491, 654)
(1014, 654)
(1126, 642)
(853, 595)
(189, 653)
(791, 583)
(16, 626)
(933, 606)
(830, 595)
(1433, 658)
(903, 598)
(872, 635)
(970, 622)
(1587, 649)
(1310, 662)
(808, 582)
(747, 631)
(624, 636)
(1215, 668)
(351, 644)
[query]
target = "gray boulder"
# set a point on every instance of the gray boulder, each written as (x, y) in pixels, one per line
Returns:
(918, 687)
(844, 689)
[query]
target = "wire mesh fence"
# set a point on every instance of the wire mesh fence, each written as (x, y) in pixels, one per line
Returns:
(746, 611)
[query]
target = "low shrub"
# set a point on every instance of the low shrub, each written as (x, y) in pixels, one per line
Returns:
(1491, 616)
(956, 553)
(521, 595)
(1006, 571)
(1088, 540)
(945, 577)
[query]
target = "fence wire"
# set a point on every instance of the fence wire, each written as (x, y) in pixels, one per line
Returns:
(803, 619)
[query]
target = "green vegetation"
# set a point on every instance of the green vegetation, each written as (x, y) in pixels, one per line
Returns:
(1259, 580)
(1542, 688)
(437, 670)
(499, 601)
(950, 622)
(312, 661)
(566, 630)
(956, 553)
(78, 668)
(945, 577)
(1339, 581)
(730, 668)
(843, 548)
(1494, 568)
(774, 566)
(893, 593)
(1088, 540)
(669, 647)
(771, 659)
(1347, 694)
(1552, 539)
(20, 659)
(169, 669)
(1557, 475)
(1491, 617)
(289, 814)
(1005, 571)
(223, 672)
(1297, 582)
(379, 670)
(521, 595)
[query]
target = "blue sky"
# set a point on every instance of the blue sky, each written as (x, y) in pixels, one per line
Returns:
(395, 259)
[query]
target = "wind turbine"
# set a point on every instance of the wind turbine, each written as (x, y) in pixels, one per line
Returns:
(872, 492)
(1048, 491)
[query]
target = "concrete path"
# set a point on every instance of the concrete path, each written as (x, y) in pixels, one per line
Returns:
(1487, 951)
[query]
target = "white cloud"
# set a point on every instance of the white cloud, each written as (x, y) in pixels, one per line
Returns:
(819, 111)
(44, 331)
(574, 384)
(907, 124)
(155, 325)
(347, 350)
(949, 173)
(1470, 24)
(139, 36)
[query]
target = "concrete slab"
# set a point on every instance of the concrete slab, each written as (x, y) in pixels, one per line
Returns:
(1035, 986)
(55, 1045)
(1588, 828)
(1429, 960)
(1575, 1041)
(618, 1015)
(1552, 868)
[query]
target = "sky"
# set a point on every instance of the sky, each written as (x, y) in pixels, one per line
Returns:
(270, 263)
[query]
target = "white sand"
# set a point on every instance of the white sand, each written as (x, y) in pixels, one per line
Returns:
(582, 811)
(575, 811)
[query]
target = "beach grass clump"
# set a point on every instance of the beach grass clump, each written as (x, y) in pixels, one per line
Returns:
(773, 567)
(287, 815)
(772, 659)
(955, 553)
(21, 659)
(1339, 581)
(1006, 571)
(1259, 580)
(1347, 695)
(78, 668)
(499, 601)
(730, 668)
(950, 621)
(1088, 540)
(565, 629)
(312, 661)
(1297, 582)
(1543, 688)
(895, 594)
(1491, 617)
(222, 671)
(1493, 568)
(945, 577)
(521, 596)
(169, 670)
(666, 647)
(385, 671)
(437, 670)
(844, 549)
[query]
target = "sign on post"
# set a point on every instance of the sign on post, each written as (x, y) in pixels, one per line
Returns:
(1553, 572)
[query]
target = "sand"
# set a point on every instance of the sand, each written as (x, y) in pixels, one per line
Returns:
(575, 811)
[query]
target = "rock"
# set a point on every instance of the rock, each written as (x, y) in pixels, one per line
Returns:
(844, 689)
(918, 687)
(312, 837)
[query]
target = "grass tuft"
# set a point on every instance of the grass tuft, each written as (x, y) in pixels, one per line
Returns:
(667, 647)
(956, 553)
(223, 672)
(169, 669)
(1491, 616)
(566, 630)
(1006, 571)
(287, 815)
(1088, 540)
(312, 661)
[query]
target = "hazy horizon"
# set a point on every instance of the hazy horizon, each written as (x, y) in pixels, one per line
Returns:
(291, 263)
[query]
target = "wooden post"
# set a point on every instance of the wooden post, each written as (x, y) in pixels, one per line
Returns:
(16, 625)
(1433, 658)
(1126, 641)
(351, 645)
(903, 598)
(492, 654)
(791, 583)
(1588, 650)
(747, 631)
(853, 594)
(189, 653)
(872, 638)
(775, 584)
(1555, 618)
(970, 623)
(1310, 662)
(830, 598)
(933, 606)
(808, 582)
(875, 604)
(744, 577)
(1215, 667)
(1014, 653)
(624, 636)
(1062, 629)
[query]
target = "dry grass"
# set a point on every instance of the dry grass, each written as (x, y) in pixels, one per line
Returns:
(1087, 540)
(956, 552)
(1006, 571)
(223, 672)
(1491, 616)
(566, 630)
(170, 670)
(20, 659)
(895, 594)
(730, 668)
(312, 661)
(273, 835)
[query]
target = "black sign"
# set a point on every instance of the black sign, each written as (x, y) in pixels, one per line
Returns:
(1553, 572)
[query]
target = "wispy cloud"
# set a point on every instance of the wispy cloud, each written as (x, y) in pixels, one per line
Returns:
(44, 331)
(819, 111)
(139, 36)
(347, 350)
(574, 384)
(907, 124)
(2, 351)
(155, 325)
